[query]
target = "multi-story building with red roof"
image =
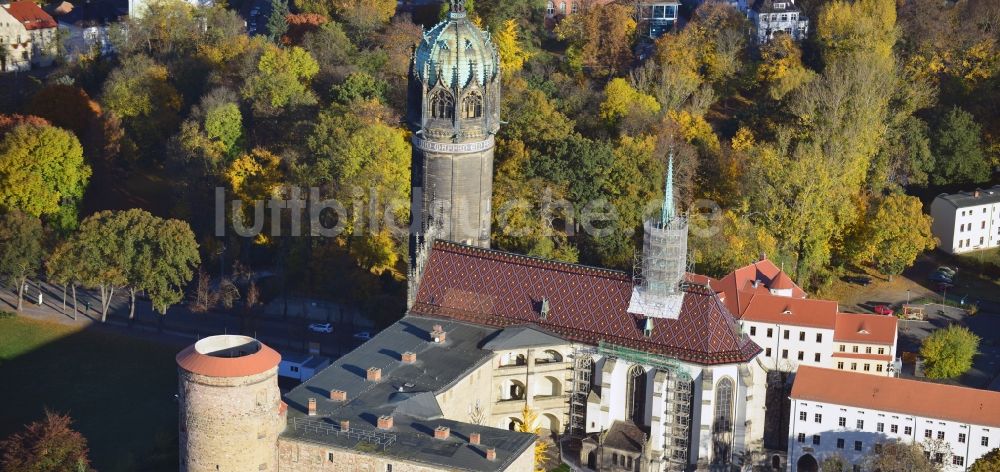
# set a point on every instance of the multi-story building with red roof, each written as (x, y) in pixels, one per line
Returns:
(28, 37)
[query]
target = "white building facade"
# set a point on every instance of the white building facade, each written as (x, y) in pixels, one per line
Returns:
(967, 221)
(771, 17)
(28, 37)
(850, 415)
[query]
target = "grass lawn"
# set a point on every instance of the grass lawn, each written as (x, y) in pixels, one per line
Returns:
(118, 389)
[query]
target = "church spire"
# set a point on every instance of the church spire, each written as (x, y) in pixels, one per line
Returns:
(667, 213)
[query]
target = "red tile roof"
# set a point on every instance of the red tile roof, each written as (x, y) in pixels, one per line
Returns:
(767, 308)
(895, 395)
(865, 329)
(782, 282)
(586, 304)
(30, 15)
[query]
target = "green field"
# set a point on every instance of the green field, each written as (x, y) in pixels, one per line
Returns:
(118, 389)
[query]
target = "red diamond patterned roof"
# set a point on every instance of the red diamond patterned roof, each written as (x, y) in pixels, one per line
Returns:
(586, 304)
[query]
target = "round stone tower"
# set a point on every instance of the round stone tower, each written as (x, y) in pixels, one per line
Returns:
(454, 112)
(229, 405)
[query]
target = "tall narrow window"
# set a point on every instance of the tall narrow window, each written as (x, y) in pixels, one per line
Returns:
(472, 105)
(442, 105)
(636, 407)
(722, 437)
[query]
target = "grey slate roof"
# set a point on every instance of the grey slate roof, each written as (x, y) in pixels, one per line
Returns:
(407, 392)
(967, 199)
(625, 436)
(520, 337)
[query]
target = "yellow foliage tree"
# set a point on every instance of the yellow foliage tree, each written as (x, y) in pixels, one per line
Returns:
(600, 38)
(695, 130)
(255, 176)
(621, 99)
(527, 425)
(512, 54)
(781, 66)
(861, 26)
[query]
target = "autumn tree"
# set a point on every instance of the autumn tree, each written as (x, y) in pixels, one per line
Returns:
(989, 462)
(282, 79)
(301, 23)
(781, 69)
(20, 249)
(9, 122)
(364, 15)
(526, 424)
(958, 150)
(894, 234)
(512, 52)
(621, 99)
(69, 107)
(47, 445)
(900, 455)
(42, 172)
(600, 38)
(140, 93)
(948, 352)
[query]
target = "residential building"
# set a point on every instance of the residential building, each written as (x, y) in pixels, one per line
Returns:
(967, 221)
(794, 330)
(771, 17)
(657, 18)
(853, 416)
(28, 37)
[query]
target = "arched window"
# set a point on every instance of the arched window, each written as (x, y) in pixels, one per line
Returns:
(722, 430)
(635, 408)
(472, 106)
(562, 8)
(550, 9)
(442, 105)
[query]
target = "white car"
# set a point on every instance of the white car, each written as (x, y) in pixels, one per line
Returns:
(321, 328)
(363, 335)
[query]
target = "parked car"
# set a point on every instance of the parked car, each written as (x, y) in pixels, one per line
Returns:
(949, 271)
(363, 335)
(861, 280)
(940, 277)
(883, 310)
(321, 328)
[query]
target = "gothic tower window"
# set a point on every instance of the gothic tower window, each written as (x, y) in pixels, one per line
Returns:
(442, 105)
(636, 395)
(472, 106)
(722, 431)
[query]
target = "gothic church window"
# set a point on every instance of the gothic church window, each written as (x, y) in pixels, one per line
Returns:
(442, 105)
(472, 105)
(636, 397)
(723, 428)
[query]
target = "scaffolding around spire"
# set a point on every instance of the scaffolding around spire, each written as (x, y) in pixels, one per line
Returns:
(668, 212)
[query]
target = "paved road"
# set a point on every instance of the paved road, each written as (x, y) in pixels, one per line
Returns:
(179, 323)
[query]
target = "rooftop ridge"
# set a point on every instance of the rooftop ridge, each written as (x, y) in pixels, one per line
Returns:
(530, 261)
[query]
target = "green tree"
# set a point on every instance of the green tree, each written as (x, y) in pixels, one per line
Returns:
(948, 352)
(283, 78)
(277, 22)
(224, 123)
(900, 455)
(47, 445)
(894, 234)
(41, 170)
(958, 150)
(989, 462)
(99, 257)
(360, 86)
(20, 249)
(61, 267)
(834, 463)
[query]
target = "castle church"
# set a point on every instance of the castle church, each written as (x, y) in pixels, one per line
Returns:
(642, 372)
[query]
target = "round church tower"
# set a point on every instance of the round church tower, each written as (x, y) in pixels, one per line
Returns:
(454, 111)
(230, 411)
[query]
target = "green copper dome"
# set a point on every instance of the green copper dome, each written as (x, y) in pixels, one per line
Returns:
(456, 53)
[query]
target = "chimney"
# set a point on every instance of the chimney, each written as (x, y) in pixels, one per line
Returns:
(545, 308)
(438, 334)
(409, 357)
(314, 349)
(374, 374)
(474, 439)
(312, 407)
(491, 454)
(442, 432)
(385, 422)
(338, 395)
(345, 425)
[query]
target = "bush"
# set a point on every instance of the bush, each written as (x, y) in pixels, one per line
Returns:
(6, 315)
